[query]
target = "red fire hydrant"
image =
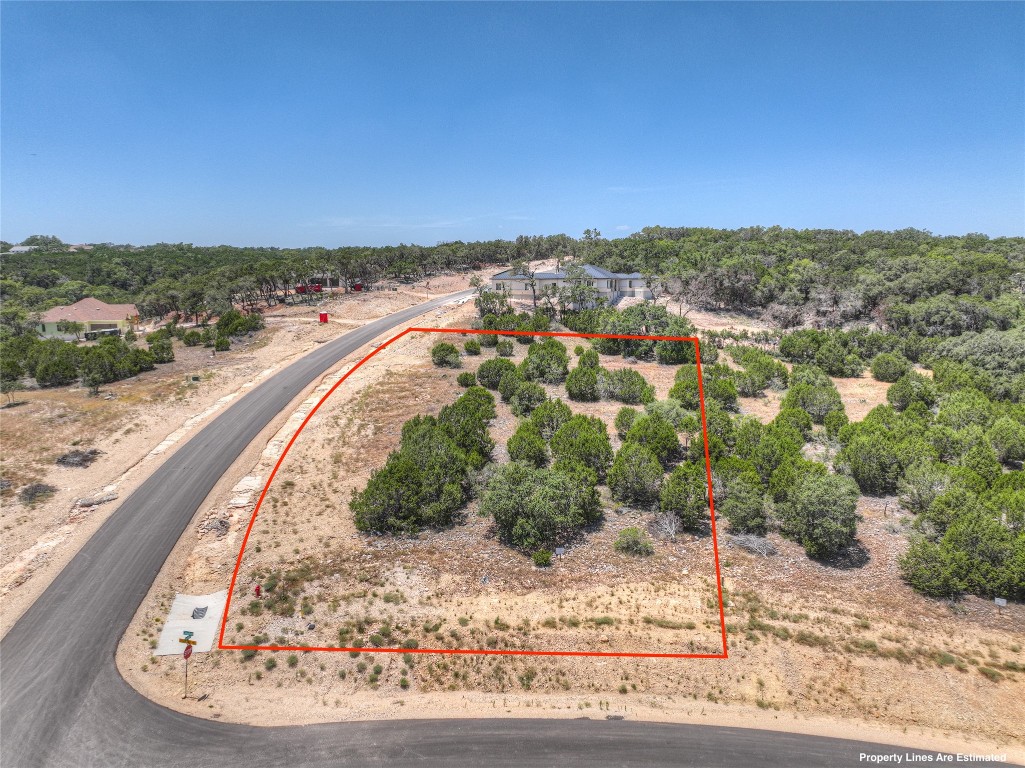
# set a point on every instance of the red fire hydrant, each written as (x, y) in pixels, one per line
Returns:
(257, 590)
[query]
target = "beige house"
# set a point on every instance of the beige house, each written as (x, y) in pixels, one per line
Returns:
(611, 285)
(93, 314)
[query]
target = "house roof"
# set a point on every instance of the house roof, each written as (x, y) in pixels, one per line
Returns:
(90, 309)
(589, 269)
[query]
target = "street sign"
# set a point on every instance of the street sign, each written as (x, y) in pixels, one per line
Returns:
(188, 652)
(187, 642)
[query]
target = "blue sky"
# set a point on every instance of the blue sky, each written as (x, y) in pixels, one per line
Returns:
(295, 124)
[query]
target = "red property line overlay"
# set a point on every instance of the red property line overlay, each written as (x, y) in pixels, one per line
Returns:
(487, 652)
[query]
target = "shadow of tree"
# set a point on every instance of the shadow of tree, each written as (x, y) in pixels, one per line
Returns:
(854, 557)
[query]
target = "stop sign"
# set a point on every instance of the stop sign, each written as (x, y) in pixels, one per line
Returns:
(188, 651)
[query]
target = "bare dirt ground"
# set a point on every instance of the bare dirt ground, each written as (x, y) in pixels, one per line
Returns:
(136, 424)
(842, 649)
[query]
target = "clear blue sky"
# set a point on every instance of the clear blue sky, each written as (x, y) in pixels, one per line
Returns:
(296, 124)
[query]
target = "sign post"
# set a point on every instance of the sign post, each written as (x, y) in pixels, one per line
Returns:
(189, 642)
(1001, 603)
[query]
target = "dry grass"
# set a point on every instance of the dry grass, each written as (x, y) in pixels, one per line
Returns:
(805, 638)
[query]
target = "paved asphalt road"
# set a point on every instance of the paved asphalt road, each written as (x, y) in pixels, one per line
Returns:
(63, 703)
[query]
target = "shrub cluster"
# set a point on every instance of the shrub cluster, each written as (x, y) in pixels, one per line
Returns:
(445, 355)
(536, 509)
(425, 482)
(54, 362)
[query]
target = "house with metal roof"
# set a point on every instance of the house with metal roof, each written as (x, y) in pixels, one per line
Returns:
(93, 314)
(612, 286)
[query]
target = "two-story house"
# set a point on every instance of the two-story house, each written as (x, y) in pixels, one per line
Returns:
(611, 286)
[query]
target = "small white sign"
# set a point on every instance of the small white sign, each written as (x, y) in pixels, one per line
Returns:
(202, 632)
(1000, 601)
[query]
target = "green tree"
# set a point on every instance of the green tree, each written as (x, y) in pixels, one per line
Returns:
(982, 460)
(163, 351)
(549, 416)
(636, 475)
(946, 508)
(624, 420)
(1007, 437)
(526, 444)
(929, 568)
(490, 372)
(422, 484)
(798, 419)
(546, 361)
(71, 326)
(743, 505)
(787, 475)
(673, 412)
(981, 549)
(445, 355)
(528, 396)
(676, 352)
(55, 363)
(657, 435)
(685, 389)
(921, 484)
(508, 384)
(723, 391)
(466, 422)
(815, 399)
(834, 421)
(11, 371)
(585, 440)
(889, 367)
(801, 346)
(536, 509)
(685, 495)
(871, 458)
(821, 514)
(779, 443)
(625, 385)
(582, 384)
(589, 359)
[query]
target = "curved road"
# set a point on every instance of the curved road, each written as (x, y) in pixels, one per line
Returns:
(63, 703)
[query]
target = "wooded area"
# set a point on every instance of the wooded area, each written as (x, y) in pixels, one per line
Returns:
(893, 305)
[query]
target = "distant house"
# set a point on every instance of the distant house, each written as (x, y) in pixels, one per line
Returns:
(23, 248)
(93, 314)
(611, 285)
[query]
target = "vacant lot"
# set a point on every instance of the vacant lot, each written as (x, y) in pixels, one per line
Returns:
(811, 646)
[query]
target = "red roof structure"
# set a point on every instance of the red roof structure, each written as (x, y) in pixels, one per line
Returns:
(90, 309)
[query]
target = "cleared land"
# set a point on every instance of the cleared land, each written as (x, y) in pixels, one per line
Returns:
(135, 424)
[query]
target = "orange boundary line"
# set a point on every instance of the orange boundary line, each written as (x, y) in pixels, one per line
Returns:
(484, 652)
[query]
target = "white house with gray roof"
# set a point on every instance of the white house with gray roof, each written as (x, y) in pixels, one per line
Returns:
(611, 285)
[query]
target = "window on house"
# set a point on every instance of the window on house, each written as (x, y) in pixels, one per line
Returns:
(630, 284)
